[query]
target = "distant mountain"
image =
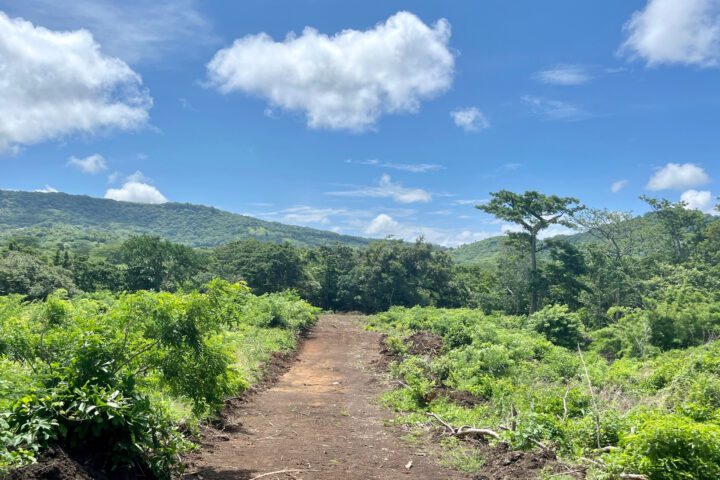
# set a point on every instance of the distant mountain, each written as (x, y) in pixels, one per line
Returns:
(82, 219)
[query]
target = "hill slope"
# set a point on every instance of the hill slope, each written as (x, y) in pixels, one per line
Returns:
(485, 252)
(72, 216)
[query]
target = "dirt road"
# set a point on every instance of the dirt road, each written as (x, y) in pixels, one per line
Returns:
(321, 420)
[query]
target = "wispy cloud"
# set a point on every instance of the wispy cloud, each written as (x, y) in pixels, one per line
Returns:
(470, 119)
(386, 188)
(384, 225)
(564, 74)
(132, 30)
(468, 202)
(618, 185)
(404, 167)
(47, 189)
(304, 214)
(91, 164)
(556, 110)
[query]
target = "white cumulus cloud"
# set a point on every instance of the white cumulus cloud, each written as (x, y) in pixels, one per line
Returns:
(563, 74)
(57, 83)
(675, 32)
(699, 200)
(345, 81)
(675, 176)
(136, 189)
(92, 164)
(383, 224)
(386, 188)
(618, 185)
(470, 119)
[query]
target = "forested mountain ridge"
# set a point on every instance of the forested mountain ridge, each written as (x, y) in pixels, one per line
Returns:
(193, 225)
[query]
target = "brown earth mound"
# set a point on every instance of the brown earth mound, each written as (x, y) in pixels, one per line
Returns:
(424, 343)
(53, 465)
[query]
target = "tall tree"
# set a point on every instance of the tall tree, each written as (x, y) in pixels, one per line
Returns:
(534, 212)
(683, 227)
(266, 267)
(156, 264)
(613, 259)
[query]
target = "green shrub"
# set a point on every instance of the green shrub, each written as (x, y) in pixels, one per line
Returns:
(125, 431)
(559, 326)
(670, 447)
(116, 373)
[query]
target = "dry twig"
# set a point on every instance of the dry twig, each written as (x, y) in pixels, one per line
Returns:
(285, 470)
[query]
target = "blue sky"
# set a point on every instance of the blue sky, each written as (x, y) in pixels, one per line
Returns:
(388, 118)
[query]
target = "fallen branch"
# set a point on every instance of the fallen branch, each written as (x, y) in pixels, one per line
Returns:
(445, 424)
(607, 449)
(594, 462)
(539, 444)
(286, 470)
(634, 476)
(465, 430)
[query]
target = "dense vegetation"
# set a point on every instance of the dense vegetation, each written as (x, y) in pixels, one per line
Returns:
(83, 220)
(335, 277)
(113, 379)
(616, 368)
(656, 413)
(600, 346)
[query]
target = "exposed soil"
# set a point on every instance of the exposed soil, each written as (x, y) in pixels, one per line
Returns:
(321, 420)
(501, 463)
(316, 416)
(424, 343)
(53, 465)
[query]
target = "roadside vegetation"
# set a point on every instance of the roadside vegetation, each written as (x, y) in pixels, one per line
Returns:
(122, 382)
(611, 362)
(599, 347)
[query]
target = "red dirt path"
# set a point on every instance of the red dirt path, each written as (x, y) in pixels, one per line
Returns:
(321, 420)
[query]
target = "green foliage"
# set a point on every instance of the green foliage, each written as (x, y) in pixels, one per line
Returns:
(455, 454)
(127, 431)
(670, 447)
(103, 368)
(393, 272)
(28, 275)
(266, 267)
(559, 326)
(533, 212)
(658, 414)
(155, 264)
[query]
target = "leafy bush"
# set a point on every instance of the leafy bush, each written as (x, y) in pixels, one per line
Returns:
(559, 326)
(659, 414)
(110, 374)
(670, 447)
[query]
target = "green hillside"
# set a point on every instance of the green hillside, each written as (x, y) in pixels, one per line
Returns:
(82, 219)
(485, 252)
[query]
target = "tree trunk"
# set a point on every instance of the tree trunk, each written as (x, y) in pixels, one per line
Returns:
(533, 274)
